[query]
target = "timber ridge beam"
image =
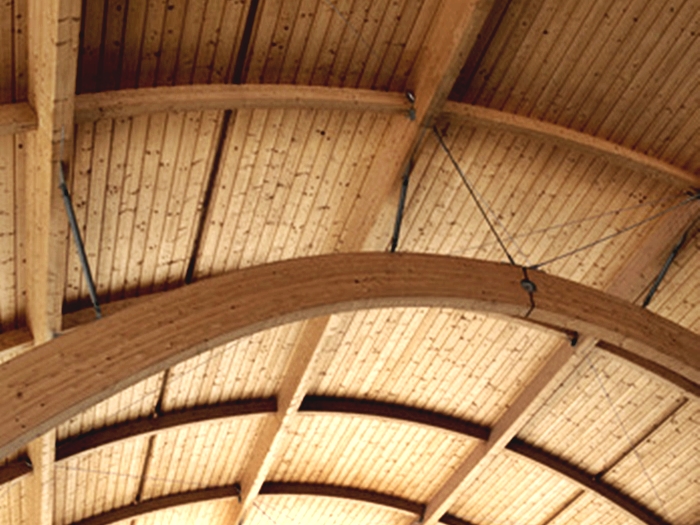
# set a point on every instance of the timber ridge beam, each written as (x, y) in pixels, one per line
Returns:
(144, 427)
(109, 355)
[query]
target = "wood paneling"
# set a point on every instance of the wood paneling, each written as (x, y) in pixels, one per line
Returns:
(137, 188)
(286, 180)
(383, 456)
(251, 367)
(158, 43)
(581, 422)
(94, 483)
(459, 363)
(207, 455)
(354, 43)
(662, 470)
(134, 402)
(511, 490)
(305, 509)
(622, 71)
(13, 503)
(12, 301)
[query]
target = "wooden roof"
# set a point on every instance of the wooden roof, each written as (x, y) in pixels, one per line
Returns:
(202, 139)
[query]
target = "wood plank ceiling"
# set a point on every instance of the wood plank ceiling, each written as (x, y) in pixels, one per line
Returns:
(394, 401)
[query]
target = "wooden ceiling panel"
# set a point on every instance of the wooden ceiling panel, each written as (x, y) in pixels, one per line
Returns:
(290, 510)
(12, 301)
(458, 363)
(399, 459)
(510, 489)
(251, 367)
(288, 178)
(663, 471)
(209, 513)
(99, 481)
(197, 456)
(588, 509)
(13, 51)
(137, 189)
(128, 44)
(137, 401)
(581, 422)
(543, 201)
(623, 71)
(13, 502)
(351, 43)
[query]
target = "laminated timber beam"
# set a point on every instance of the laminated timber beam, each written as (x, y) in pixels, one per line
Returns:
(569, 138)
(132, 102)
(116, 352)
(126, 103)
(17, 118)
(315, 405)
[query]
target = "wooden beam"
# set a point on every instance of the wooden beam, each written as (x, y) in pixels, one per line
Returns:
(53, 30)
(88, 442)
(586, 481)
(297, 376)
(38, 389)
(149, 506)
(394, 412)
(17, 118)
(132, 102)
(40, 495)
(571, 139)
(521, 410)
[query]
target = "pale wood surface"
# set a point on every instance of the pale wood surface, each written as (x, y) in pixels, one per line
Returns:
(17, 118)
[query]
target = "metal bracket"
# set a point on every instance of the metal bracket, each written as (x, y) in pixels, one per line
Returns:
(411, 97)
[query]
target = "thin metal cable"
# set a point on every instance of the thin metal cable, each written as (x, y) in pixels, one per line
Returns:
(613, 235)
(355, 30)
(627, 435)
(576, 221)
(472, 193)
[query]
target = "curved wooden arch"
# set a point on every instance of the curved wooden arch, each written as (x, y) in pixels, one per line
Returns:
(59, 379)
(131, 102)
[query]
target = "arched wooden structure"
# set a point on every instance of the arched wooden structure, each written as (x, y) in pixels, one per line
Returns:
(202, 140)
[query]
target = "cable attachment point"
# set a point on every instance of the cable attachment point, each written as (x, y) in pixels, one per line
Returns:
(528, 285)
(573, 338)
(239, 493)
(411, 97)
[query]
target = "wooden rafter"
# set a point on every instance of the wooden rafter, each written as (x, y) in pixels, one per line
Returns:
(111, 355)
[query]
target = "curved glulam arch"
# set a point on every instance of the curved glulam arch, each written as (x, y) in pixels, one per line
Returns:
(57, 380)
